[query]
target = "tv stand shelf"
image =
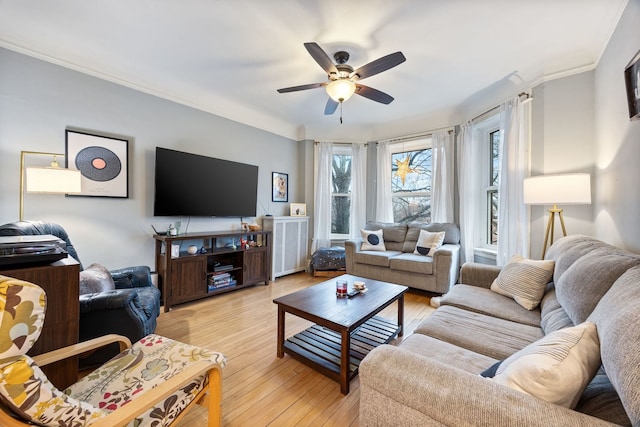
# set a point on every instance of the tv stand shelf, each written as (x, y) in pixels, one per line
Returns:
(218, 268)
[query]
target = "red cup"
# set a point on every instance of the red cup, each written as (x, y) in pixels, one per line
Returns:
(341, 288)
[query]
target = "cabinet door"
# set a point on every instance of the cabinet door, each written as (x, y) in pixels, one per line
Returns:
(188, 278)
(256, 267)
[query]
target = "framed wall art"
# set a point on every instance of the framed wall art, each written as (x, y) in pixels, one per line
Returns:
(298, 209)
(632, 82)
(103, 162)
(280, 187)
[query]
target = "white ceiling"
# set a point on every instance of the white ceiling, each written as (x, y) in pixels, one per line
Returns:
(228, 57)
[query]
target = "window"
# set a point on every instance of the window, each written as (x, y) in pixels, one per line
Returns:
(411, 181)
(493, 197)
(340, 192)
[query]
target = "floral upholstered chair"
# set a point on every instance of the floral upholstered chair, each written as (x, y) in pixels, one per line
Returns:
(150, 383)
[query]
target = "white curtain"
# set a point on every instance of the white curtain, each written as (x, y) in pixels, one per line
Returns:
(442, 177)
(322, 206)
(470, 186)
(513, 156)
(358, 215)
(384, 202)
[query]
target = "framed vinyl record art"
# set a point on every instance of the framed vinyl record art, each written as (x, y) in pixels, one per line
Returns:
(103, 162)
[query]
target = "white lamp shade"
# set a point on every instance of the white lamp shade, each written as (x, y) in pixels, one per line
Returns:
(53, 180)
(341, 90)
(562, 189)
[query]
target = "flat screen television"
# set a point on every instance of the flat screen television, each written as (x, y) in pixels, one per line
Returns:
(193, 185)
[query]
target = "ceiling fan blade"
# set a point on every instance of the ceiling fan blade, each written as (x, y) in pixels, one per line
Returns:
(321, 57)
(379, 65)
(302, 87)
(373, 94)
(331, 107)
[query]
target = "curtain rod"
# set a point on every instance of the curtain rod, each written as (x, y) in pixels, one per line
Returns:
(417, 135)
(491, 110)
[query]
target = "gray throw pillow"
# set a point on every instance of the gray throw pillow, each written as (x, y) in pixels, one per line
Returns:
(96, 278)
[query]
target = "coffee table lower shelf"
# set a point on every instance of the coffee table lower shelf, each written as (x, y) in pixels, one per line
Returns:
(319, 347)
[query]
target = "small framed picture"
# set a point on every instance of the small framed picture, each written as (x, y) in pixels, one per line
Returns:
(298, 209)
(632, 82)
(280, 188)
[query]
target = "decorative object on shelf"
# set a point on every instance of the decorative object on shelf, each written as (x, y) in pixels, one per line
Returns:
(280, 190)
(565, 189)
(192, 250)
(103, 162)
(52, 179)
(254, 227)
(298, 209)
(632, 81)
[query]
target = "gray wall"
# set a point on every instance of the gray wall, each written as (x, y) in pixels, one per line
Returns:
(38, 100)
(617, 140)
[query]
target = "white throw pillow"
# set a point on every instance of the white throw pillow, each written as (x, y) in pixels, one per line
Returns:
(556, 368)
(372, 241)
(428, 242)
(524, 280)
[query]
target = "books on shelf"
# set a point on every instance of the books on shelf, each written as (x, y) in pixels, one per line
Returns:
(220, 280)
(222, 267)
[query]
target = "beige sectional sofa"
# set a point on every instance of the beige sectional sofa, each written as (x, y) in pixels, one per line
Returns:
(432, 377)
(436, 272)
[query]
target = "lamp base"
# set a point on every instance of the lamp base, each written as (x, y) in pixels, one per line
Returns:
(548, 236)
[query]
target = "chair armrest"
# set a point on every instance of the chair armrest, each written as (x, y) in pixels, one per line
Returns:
(398, 387)
(476, 274)
(108, 300)
(80, 348)
(124, 414)
(132, 277)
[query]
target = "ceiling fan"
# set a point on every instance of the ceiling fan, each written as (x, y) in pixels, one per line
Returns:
(343, 79)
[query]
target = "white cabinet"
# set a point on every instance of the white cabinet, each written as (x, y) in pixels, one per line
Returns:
(290, 243)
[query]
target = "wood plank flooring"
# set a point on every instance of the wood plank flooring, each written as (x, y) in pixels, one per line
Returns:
(258, 388)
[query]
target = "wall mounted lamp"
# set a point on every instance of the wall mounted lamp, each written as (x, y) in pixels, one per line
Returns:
(561, 189)
(51, 180)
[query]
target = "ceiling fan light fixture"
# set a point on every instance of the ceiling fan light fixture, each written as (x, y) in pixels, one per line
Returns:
(341, 90)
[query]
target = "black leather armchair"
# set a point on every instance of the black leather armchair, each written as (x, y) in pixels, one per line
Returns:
(131, 309)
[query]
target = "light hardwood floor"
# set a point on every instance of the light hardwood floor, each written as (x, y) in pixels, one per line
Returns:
(258, 388)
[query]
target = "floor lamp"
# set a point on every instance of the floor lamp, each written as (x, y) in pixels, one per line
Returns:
(562, 189)
(52, 179)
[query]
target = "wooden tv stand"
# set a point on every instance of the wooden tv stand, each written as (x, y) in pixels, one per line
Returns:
(184, 277)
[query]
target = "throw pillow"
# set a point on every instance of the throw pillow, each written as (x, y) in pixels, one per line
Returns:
(524, 280)
(428, 242)
(372, 241)
(96, 278)
(556, 368)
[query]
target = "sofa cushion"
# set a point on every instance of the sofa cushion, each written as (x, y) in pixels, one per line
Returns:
(445, 352)
(375, 258)
(616, 316)
(484, 301)
(524, 280)
(96, 278)
(600, 400)
(391, 231)
(451, 233)
(557, 368)
(413, 263)
(372, 241)
(428, 242)
(585, 282)
(488, 335)
(552, 315)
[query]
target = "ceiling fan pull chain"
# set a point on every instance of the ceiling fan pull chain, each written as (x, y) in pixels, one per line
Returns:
(341, 113)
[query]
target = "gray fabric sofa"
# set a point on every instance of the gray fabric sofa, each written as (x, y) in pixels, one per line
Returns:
(435, 273)
(432, 377)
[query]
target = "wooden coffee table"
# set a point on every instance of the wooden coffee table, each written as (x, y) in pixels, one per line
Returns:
(345, 329)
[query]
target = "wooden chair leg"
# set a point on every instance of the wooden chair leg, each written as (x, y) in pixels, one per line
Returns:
(214, 401)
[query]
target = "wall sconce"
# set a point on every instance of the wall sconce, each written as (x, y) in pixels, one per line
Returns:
(51, 180)
(563, 189)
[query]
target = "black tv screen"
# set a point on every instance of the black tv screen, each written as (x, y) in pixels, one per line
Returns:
(194, 185)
